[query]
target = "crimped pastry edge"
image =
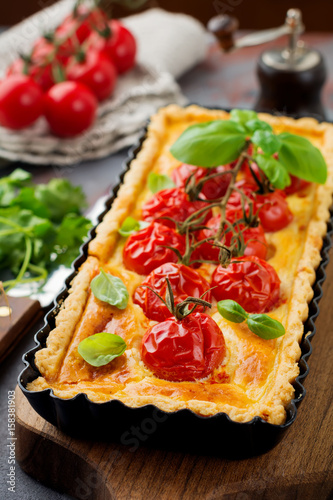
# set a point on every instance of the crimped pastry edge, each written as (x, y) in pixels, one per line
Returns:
(272, 407)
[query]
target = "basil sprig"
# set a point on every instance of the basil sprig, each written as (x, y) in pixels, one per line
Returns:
(157, 182)
(101, 348)
(218, 142)
(210, 144)
(110, 289)
(131, 225)
(262, 325)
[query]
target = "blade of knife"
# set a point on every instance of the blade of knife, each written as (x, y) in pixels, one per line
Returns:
(56, 279)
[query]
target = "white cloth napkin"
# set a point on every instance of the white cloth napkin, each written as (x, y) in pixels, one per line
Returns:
(168, 46)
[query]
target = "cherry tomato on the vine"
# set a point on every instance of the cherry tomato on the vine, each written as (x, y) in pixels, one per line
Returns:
(296, 185)
(70, 108)
(185, 282)
(146, 249)
(120, 46)
(43, 60)
(250, 281)
(96, 71)
(21, 102)
(74, 30)
(212, 188)
(172, 203)
(254, 239)
(234, 205)
(183, 350)
(274, 213)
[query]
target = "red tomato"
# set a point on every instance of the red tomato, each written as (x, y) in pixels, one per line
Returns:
(183, 350)
(274, 213)
(213, 188)
(21, 102)
(75, 30)
(296, 185)
(97, 72)
(185, 282)
(250, 281)
(146, 249)
(254, 238)
(234, 209)
(120, 47)
(70, 108)
(173, 203)
(38, 69)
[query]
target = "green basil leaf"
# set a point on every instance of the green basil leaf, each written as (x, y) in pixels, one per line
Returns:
(265, 327)
(274, 170)
(301, 158)
(242, 116)
(210, 144)
(110, 289)
(256, 124)
(267, 141)
(157, 182)
(101, 348)
(131, 225)
(232, 311)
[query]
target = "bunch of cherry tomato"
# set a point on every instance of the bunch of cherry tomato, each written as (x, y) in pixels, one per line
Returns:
(67, 73)
(188, 349)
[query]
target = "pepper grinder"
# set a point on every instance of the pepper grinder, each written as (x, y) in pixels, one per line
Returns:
(291, 78)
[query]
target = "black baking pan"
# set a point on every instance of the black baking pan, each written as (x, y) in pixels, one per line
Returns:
(183, 429)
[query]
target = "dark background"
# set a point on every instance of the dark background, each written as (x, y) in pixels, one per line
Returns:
(252, 14)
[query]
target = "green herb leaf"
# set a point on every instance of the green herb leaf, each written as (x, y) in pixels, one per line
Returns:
(71, 234)
(210, 144)
(265, 327)
(232, 311)
(267, 141)
(157, 182)
(131, 225)
(17, 178)
(257, 124)
(101, 348)
(301, 158)
(274, 170)
(242, 116)
(110, 289)
(60, 197)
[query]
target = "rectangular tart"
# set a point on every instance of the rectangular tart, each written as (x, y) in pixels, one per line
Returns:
(256, 376)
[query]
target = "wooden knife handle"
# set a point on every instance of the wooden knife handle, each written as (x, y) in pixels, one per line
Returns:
(15, 320)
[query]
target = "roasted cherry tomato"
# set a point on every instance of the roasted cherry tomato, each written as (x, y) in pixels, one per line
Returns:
(296, 185)
(172, 203)
(146, 249)
(274, 213)
(21, 102)
(96, 71)
(120, 46)
(254, 239)
(250, 281)
(183, 350)
(234, 205)
(70, 108)
(213, 188)
(185, 282)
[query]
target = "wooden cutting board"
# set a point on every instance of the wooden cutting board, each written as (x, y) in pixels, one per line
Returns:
(299, 467)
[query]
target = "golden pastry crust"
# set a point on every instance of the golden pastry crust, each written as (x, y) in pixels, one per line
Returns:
(256, 377)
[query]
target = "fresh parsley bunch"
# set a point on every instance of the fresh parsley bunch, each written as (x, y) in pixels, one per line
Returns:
(40, 226)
